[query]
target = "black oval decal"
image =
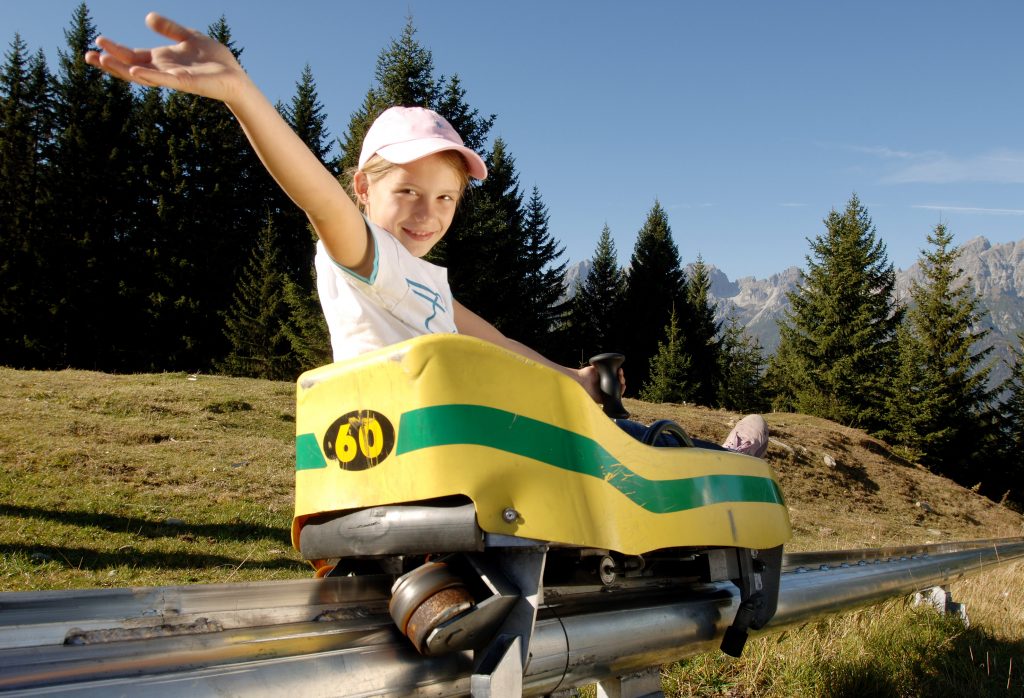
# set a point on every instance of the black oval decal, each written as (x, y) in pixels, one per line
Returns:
(359, 440)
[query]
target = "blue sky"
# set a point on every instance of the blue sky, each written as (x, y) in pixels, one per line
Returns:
(748, 121)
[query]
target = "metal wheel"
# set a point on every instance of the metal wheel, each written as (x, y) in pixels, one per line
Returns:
(607, 570)
(426, 597)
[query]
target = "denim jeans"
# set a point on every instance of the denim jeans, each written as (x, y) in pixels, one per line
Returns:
(637, 431)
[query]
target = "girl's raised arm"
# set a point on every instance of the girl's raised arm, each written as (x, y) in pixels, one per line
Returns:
(200, 65)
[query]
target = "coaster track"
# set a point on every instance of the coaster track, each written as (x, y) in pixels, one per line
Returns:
(334, 637)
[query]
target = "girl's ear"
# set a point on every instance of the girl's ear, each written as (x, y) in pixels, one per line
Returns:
(361, 187)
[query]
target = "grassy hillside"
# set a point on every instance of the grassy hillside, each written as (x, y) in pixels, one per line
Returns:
(177, 479)
(142, 480)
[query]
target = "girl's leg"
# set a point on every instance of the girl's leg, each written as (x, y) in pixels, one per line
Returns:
(637, 431)
(749, 436)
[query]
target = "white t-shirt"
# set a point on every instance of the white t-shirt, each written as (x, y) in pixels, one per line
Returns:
(404, 297)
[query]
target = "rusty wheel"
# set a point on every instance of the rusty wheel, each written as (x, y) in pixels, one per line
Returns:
(426, 597)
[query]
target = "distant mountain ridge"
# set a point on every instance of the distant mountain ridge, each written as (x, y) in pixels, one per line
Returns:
(757, 303)
(996, 272)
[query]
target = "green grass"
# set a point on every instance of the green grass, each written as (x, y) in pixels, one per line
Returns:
(144, 480)
(889, 650)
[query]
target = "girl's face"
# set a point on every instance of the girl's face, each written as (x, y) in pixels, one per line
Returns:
(414, 202)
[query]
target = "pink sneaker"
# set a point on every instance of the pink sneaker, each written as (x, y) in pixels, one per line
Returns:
(749, 436)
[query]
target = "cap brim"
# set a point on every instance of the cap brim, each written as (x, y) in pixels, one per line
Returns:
(403, 153)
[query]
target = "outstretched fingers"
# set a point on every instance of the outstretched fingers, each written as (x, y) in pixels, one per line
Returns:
(151, 77)
(122, 54)
(108, 62)
(168, 27)
(193, 63)
(119, 60)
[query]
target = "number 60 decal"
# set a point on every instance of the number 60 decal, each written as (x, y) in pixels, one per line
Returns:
(359, 440)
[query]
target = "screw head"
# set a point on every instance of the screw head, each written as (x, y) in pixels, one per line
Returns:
(509, 515)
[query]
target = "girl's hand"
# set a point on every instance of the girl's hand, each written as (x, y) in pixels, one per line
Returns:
(197, 63)
(202, 66)
(591, 382)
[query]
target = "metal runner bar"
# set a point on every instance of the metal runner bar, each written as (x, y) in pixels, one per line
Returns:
(334, 637)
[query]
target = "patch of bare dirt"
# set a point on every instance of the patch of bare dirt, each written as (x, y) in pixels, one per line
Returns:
(847, 489)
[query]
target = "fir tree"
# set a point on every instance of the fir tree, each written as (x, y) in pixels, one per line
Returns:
(704, 345)
(542, 280)
(839, 334)
(911, 402)
(305, 114)
(216, 202)
(943, 416)
(781, 378)
(144, 235)
(405, 71)
(595, 312)
(655, 285)
(306, 329)
(1012, 407)
(259, 346)
(742, 367)
(352, 140)
(1011, 426)
(304, 325)
(17, 148)
(93, 125)
(467, 122)
(670, 368)
(486, 260)
(25, 138)
(404, 77)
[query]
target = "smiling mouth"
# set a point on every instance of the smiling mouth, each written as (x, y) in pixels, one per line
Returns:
(419, 234)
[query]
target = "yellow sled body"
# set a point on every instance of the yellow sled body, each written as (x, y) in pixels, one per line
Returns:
(445, 415)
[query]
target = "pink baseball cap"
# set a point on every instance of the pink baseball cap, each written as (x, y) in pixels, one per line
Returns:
(403, 134)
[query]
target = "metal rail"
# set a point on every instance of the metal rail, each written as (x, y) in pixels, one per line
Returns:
(333, 637)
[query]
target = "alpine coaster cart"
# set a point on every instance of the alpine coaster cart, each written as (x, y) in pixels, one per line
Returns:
(477, 478)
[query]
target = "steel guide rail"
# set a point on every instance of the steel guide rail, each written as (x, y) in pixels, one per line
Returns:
(794, 561)
(333, 637)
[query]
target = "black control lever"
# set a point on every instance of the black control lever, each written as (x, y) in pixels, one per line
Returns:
(607, 366)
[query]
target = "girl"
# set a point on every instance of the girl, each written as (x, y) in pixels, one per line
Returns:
(413, 169)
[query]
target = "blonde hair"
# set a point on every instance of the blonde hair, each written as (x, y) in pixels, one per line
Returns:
(377, 167)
